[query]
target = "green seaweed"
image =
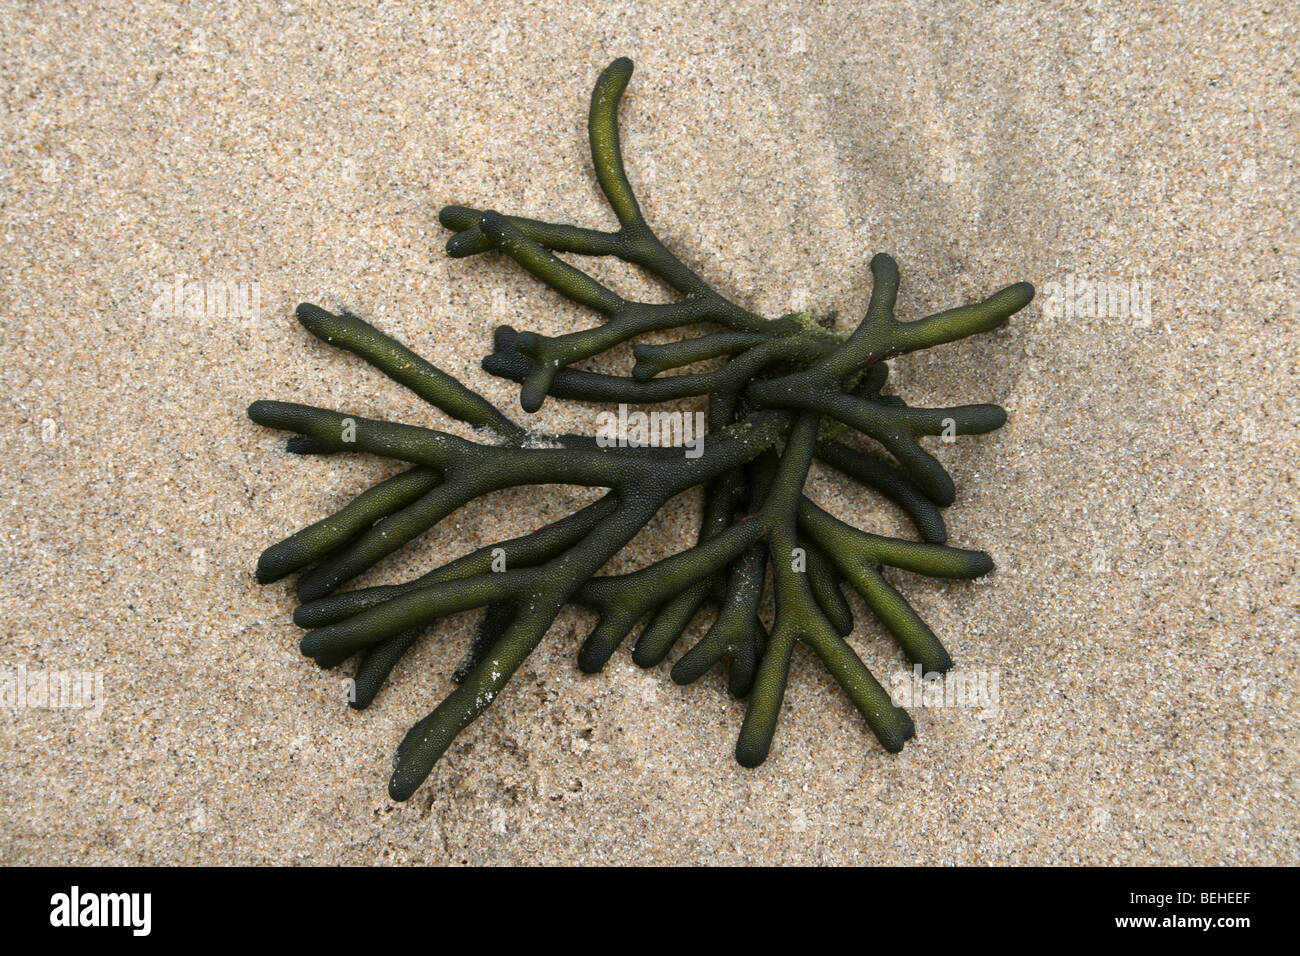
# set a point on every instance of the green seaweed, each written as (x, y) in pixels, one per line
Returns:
(783, 392)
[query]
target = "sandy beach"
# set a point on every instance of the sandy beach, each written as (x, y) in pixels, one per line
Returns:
(1137, 643)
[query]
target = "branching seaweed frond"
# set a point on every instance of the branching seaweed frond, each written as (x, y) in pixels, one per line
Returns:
(784, 392)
